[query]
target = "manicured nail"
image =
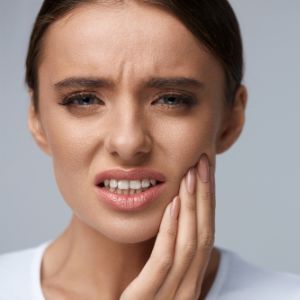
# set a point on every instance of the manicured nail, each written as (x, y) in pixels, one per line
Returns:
(190, 181)
(203, 168)
(173, 208)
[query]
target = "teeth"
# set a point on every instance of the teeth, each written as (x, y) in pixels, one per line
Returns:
(153, 181)
(145, 183)
(123, 184)
(135, 184)
(129, 184)
(113, 183)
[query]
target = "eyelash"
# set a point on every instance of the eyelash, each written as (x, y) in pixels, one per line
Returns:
(185, 101)
(69, 100)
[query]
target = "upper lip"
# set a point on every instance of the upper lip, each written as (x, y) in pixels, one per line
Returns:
(133, 174)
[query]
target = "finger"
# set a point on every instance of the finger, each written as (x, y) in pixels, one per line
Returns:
(146, 285)
(205, 205)
(205, 228)
(186, 242)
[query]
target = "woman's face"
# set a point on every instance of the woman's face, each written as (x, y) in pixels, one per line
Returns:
(133, 120)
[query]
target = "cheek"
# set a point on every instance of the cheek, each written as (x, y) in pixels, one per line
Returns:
(184, 140)
(71, 146)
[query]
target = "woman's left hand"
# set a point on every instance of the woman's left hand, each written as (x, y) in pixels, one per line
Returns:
(179, 259)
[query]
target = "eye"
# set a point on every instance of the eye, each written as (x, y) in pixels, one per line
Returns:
(176, 100)
(81, 100)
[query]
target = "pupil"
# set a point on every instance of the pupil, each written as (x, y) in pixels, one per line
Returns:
(171, 99)
(85, 100)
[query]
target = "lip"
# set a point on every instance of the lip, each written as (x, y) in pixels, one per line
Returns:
(129, 202)
(133, 174)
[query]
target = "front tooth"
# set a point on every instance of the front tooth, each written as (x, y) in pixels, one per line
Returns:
(113, 183)
(145, 183)
(123, 184)
(135, 184)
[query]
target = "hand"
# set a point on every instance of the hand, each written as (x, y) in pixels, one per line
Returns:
(178, 262)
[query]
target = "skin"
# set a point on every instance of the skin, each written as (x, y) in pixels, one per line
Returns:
(103, 251)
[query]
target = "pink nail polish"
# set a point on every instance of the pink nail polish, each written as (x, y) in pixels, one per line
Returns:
(173, 208)
(203, 168)
(191, 181)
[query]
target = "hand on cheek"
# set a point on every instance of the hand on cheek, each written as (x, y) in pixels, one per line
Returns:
(179, 259)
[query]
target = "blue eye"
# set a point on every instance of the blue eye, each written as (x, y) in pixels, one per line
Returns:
(81, 100)
(176, 100)
(168, 100)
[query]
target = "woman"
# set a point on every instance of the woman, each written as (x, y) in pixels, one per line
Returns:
(133, 100)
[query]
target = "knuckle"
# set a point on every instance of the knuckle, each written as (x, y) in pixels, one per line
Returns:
(190, 204)
(208, 195)
(163, 263)
(206, 240)
(171, 231)
(189, 250)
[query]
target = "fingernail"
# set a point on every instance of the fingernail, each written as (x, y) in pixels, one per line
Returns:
(190, 181)
(203, 168)
(173, 208)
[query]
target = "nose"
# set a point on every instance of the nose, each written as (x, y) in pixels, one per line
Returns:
(127, 136)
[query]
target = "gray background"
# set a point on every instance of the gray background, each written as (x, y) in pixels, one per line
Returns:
(257, 179)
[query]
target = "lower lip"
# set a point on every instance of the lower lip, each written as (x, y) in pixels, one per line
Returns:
(130, 202)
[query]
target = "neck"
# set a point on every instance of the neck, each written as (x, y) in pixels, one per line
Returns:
(96, 265)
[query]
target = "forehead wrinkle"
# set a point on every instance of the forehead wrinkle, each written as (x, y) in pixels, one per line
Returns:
(151, 61)
(136, 5)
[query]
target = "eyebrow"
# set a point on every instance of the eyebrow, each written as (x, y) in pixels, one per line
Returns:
(87, 82)
(160, 82)
(154, 82)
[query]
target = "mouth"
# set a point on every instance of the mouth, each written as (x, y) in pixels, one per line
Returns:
(128, 187)
(129, 190)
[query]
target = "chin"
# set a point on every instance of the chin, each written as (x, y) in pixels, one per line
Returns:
(131, 238)
(121, 228)
(133, 232)
(128, 230)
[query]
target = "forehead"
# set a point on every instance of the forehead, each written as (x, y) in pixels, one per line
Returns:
(133, 37)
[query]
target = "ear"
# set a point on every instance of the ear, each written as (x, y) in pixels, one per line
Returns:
(233, 122)
(36, 129)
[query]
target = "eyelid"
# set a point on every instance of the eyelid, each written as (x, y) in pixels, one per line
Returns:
(188, 98)
(75, 95)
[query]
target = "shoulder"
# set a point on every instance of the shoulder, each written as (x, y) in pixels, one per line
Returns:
(243, 280)
(19, 272)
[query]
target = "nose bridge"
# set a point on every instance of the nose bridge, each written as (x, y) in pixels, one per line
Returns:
(127, 135)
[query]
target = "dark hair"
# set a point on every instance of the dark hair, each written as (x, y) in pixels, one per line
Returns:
(213, 22)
